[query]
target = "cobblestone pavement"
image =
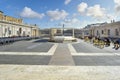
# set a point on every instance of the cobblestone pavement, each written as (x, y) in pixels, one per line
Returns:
(59, 61)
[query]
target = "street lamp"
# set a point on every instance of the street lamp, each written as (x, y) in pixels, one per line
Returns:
(63, 29)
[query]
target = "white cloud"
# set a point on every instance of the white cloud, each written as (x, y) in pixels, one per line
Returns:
(110, 17)
(82, 7)
(117, 1)
(67, 2)
(117, 6)
(96, 11)
(72, 21)
(29, 13)
(75, 20)
(75, 15)
(57, 14)
(67, 20)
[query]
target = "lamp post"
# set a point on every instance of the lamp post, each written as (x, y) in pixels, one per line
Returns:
(63, 29)
(31, 32)
(73, 33)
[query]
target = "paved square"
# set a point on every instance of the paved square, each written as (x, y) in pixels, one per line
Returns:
(58, 61)
(43, 47)
(24, 46)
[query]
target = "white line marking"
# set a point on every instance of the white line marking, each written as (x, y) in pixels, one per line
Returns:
(95, 54)
(24, 53)
(71, 48)
(52, 50)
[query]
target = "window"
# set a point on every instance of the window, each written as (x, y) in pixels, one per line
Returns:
(97, 33)
(9, 32)
(116, 32)
(17, 32)
(108, 31)
(102, 32)
(20, 30)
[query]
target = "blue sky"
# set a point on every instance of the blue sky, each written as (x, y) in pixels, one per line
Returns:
(54, 13)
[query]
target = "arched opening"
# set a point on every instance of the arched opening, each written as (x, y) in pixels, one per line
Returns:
(20, 31)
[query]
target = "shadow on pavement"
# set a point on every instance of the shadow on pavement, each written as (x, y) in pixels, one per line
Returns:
(41, 40)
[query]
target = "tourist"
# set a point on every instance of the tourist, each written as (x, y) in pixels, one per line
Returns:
(117, 44)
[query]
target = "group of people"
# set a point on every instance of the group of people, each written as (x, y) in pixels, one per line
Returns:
(101, 42)
(117, 44)
(107, 41)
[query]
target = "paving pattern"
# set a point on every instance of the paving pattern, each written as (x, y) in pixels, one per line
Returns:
(41, 52)
(58, 61)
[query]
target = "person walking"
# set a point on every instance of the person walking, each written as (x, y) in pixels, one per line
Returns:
(117, 44)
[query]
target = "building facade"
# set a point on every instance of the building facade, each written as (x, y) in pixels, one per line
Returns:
(10, 26)
(111, 30)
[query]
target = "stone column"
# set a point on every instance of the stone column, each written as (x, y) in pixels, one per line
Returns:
(73, 33)
(0, 30)
(31, 32)
(63, 30)
(51, 35)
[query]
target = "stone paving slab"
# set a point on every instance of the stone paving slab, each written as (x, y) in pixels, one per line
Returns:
(41, 47)
(26, 47)
(97, 60)
(50, 52)
(35, 72)
(44, 47)
(87, 48)
(62, 56)
(24, 59)
(80, 45)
